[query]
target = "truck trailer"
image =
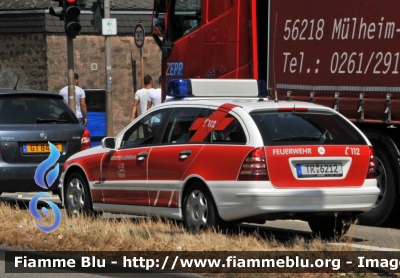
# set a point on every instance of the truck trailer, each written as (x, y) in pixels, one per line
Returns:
(342, 54)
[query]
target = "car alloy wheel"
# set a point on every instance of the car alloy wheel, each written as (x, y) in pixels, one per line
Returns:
(77, 198)
(199, 211)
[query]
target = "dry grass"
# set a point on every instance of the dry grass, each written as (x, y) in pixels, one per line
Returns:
(19, 230)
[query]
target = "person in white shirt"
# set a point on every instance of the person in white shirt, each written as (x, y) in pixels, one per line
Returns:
(154, 100)
(142, 97)
(81, 108)
(155, 96)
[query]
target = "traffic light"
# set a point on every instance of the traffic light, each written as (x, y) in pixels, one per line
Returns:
(98, 14)
(71, 16)
(57, 11)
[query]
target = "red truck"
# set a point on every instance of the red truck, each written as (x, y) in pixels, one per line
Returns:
(342, 54)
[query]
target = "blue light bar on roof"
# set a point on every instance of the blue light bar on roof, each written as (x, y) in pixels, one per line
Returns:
(211, 88)
(262, 88)
(179, 88)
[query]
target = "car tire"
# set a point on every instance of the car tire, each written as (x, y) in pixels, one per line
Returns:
(199, 211)
(77, 197)
(331, 227)
(385, 210)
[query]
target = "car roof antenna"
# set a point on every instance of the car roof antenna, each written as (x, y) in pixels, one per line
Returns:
(16, 83)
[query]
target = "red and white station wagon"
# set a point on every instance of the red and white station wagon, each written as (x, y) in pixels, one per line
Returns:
(224, 159)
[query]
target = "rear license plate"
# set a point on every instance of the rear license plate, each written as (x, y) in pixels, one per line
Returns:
(319, 170)
(39, 148)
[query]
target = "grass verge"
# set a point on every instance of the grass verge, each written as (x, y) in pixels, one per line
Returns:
(19, 230)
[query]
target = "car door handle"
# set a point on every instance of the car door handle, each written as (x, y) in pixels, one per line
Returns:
(185, 154)
(142, 156)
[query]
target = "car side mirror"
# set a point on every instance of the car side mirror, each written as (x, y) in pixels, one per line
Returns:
(108, 143)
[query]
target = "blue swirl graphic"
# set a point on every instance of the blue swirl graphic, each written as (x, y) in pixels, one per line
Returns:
(35, 213)
(52, 175)
(46, 165)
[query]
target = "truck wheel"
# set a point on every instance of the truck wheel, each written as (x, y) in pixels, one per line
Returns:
(199, 211)
(383, 213)
(77, 197)
(330, 227)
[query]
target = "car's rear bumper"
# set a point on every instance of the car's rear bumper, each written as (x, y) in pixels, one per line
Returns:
(239, 200)
(21, 178)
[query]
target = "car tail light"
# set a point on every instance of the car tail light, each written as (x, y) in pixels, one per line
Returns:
(254, 167)
(371, 174)
(85, 142)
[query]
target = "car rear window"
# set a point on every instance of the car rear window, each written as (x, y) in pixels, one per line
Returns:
(305, 128)
(34, 110)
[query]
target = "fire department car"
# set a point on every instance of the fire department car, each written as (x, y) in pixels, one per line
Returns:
(226, 154)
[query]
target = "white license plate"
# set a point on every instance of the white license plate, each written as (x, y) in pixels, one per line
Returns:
(319, 170)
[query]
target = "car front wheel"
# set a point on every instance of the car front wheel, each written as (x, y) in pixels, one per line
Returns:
(77, 197)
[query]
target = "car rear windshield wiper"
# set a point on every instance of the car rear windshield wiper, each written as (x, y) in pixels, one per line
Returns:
(299, 138)
(39, 120)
